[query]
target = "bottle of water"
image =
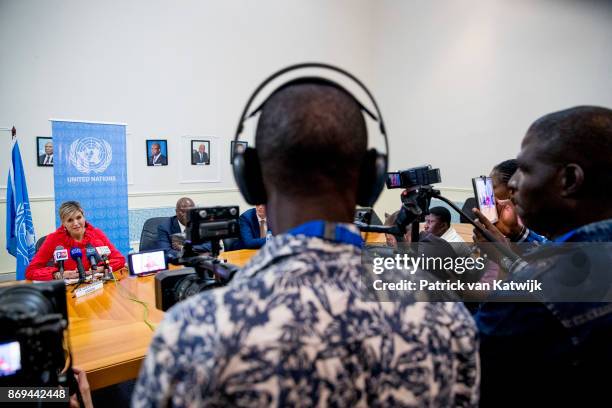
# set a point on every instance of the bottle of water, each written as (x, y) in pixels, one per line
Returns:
(268, 235)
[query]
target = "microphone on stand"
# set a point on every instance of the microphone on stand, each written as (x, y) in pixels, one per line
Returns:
(59, 256)
(103, 253)
(92, 256)
(76, 254)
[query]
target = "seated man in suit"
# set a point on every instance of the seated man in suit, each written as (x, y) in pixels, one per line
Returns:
(47, 158)
(200, 156)
(157, 158)
(253, 227)
(175, 225)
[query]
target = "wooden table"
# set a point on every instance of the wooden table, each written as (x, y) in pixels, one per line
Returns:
(108, 335)
(109, 338)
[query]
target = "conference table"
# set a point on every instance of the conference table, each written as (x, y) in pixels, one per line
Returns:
(108, 334)
(110, 330)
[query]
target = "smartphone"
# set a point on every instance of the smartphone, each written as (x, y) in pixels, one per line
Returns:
(485, 199)
(146, 263)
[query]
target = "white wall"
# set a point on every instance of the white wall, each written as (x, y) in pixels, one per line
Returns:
(167, 69)
(458, 82)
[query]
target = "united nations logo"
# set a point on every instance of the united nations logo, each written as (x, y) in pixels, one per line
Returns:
(24, 233)
(90, 155)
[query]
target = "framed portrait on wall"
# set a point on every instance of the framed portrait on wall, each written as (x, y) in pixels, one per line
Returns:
(157, 152)
(237, 146)
(44, 151)
(200, 152)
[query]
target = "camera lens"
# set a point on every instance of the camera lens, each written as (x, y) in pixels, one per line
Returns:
(25, 301)
(192, 285)
(183, 288)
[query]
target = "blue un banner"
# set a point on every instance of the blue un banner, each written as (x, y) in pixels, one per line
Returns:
(90, 167)
(20, 237)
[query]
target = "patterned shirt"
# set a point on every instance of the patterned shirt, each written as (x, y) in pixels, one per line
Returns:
(292, 328)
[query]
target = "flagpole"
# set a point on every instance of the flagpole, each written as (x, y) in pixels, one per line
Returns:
(20, 235)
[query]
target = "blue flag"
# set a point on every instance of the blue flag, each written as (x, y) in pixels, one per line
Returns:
(20, 238)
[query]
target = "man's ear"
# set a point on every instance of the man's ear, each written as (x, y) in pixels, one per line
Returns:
(572, 179)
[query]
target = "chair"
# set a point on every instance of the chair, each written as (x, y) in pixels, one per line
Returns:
(467, 208)
(148, 236)
(40, 241)
(367, 216)
(231, 244)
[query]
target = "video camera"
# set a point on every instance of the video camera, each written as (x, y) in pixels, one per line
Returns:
(202, 272)
(33, 351)
(414, 177)
(415, 198)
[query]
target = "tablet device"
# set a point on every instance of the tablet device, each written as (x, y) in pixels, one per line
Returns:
(485, 199)
(146, 263)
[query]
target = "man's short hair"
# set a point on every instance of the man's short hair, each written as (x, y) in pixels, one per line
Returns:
(311, 138)
(184, 200)
(581, 135)
(442, 213)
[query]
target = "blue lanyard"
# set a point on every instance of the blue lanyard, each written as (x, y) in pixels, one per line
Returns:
(317, 229)
(565, 237)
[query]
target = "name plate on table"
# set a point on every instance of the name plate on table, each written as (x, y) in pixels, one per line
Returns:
(88, 288)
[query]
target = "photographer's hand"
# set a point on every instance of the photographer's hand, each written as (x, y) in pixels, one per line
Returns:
(484, 223)
(508, 222)
(81, 379)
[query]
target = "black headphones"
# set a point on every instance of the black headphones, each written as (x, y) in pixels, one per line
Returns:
(246, 166)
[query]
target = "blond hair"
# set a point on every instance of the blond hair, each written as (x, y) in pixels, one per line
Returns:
(69, 207)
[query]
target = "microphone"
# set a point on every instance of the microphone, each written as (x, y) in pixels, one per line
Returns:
(92, 256)
(76, 254)
(59, 256)
(103, 253)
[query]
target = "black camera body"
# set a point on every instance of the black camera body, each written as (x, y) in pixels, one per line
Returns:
(173, 286)
(210, 224)
(201, 272)
(34, 319)
(167, 291)
(414, 177)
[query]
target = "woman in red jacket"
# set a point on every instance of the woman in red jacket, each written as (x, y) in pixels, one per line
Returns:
(74, 232)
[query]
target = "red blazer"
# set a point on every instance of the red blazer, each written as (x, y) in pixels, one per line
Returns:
(38, 269)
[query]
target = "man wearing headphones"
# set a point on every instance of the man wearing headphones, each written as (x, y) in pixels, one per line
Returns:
(293, 327)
